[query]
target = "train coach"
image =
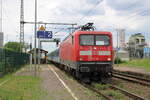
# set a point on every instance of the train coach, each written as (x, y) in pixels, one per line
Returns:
(86, 53)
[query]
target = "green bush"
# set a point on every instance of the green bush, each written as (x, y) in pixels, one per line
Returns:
(118, 60)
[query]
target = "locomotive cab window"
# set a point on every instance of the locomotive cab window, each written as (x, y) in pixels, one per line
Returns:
(102, 40)
(86, 39)
(94, 40)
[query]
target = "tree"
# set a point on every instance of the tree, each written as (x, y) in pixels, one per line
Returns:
(15, 46)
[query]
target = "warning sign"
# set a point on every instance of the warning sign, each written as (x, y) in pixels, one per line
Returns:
(42, 28)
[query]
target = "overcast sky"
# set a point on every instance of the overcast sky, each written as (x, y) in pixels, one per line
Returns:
(108, 15)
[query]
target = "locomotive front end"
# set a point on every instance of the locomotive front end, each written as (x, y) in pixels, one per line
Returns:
(95, 52)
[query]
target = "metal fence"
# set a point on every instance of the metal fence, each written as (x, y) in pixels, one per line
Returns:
(10, 60)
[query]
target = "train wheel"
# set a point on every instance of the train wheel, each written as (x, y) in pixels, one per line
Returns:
(105, 78)
(74, 73)
(78, 74)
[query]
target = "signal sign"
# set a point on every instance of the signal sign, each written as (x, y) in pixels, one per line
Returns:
(44, 34)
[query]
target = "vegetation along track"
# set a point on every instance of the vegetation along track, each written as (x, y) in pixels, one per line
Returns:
(97, 91)
(131, 78)
(108, 86)
(125, 92)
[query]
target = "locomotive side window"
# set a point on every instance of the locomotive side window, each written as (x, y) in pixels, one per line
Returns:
(72, 37)
(86, 39)
(102, 40)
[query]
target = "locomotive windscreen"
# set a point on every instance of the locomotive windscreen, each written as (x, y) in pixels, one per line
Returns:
(94, 40)
(86, 39)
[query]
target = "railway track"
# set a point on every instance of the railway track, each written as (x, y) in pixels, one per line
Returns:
(113, 87)
(97, 91)
(131, 78)
(127, 93)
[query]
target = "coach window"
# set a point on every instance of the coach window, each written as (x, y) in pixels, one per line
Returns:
(102, 40)
(72, 39)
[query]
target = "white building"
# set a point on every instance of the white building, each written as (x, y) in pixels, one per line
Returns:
(1, 39)
(121, 38)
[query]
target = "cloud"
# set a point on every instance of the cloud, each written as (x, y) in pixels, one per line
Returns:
(126, 5)
(107, 15)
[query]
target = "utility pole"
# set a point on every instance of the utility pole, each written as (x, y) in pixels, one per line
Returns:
(117, 46)
(22, 26)
(35, 31)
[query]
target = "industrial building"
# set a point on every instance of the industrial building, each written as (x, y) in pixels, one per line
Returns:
(122, 44)
(122, 53)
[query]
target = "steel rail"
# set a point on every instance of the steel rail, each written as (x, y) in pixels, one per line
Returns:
(127, 93)
(97, 91)
(131, 79)
(132, 76)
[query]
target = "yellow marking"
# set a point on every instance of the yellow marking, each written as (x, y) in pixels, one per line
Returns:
(42, 28)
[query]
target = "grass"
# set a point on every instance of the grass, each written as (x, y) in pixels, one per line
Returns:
(21, 88)
(101, 86)
(140, 63)
(115, 94)
(105, 88)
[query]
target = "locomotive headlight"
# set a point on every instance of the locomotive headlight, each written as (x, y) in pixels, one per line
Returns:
(109, 59)
(81, 59)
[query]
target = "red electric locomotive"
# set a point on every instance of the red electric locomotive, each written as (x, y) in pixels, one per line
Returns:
(88, 53)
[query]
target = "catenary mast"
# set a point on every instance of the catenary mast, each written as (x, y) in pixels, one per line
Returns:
(22, 25)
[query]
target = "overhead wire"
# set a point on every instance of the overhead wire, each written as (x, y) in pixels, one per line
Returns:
(137, 13)
(141, 12)
(90, 10)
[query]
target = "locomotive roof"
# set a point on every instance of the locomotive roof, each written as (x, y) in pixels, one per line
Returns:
(92, 32)
(88, 32)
